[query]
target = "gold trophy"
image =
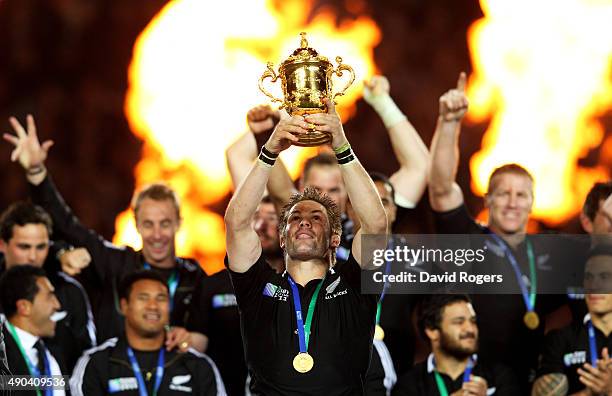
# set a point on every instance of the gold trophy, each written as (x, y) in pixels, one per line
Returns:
(306, 79)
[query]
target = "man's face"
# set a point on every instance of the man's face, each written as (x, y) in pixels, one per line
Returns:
(307, 234)
(387, 200)
(328, 180)
(601, 223)
(458, 330)
(265, 223)
(28, 245)
(598, 284)
(42, 307)
(157, 223)
(509, 203)
(147, 309)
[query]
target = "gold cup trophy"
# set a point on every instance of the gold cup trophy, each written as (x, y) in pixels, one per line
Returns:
(306, 79)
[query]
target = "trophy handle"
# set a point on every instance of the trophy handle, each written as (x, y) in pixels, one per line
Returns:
(338, 71)
(269, 73)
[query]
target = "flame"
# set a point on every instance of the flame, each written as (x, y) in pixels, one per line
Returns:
(541, 71)
(191, 84)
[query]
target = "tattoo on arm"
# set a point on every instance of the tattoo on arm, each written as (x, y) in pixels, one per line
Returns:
(554, 384)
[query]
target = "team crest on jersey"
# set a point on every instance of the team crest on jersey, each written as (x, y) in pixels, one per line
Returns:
(122, 384)
(275, 292)
(574, 358)
(178, 383)
(224, 300)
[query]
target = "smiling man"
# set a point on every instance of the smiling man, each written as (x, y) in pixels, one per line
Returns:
(575, 360)
(29, 303)
(137, 362)
(512, 327)
(308, 330)
(453, 367)
(157, 213)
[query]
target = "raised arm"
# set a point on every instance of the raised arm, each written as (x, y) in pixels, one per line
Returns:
(359, 186)
(410, 179)
(32, 155)
(243, 245)
(444, 193)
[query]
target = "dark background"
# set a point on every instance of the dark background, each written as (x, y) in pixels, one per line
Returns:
(65, 61)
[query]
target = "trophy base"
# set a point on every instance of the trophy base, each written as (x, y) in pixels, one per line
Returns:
(306, 110)
(313, 138)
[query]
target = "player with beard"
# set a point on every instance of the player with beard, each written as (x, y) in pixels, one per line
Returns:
(453, 368)
(310, 329)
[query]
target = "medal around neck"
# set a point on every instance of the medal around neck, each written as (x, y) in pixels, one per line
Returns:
(306, 79)
(379, 333)
(303, 362)
(532, 320)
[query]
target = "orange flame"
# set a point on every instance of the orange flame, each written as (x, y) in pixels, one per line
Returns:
(190, 86)
(541, 71)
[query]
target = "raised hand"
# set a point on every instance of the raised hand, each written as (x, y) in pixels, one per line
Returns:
(377, 86)
(262, 118)
(329, 123)
(28, 150)
(286, 133)
(598, 380)
(454, 103)
(73, 261)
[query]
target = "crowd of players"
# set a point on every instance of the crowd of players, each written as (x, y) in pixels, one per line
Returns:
(287, 315)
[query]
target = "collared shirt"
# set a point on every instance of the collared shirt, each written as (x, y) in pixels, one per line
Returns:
(341, 338)
(567, 349)
(420, 381)
(27, 342)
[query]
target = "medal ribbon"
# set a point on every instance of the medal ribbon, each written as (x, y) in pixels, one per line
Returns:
(592, 343)
(159, 372)
(303, 329)
(173, 282)
(440, 381)
(31, 368)
(382, 295)
(528, 296)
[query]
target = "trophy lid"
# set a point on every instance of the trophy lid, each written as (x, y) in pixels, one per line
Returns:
(304, 54)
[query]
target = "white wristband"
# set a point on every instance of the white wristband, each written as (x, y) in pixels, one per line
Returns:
(386, 108)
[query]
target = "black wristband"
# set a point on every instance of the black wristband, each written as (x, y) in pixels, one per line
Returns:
(345, 157)
(267, 157)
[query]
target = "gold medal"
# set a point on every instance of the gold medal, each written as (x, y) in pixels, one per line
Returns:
(532, 320)
(379, 333)
(303, 362)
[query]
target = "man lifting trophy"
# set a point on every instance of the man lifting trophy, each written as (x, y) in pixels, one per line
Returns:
(306, 79)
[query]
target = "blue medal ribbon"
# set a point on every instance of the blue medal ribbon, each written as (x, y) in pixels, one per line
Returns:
(528, 296)
(159, 372)
(303, 331)
(592, 343)
(173, 282)
(466, 375)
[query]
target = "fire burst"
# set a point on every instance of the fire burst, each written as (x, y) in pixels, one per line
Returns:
(191, 84)
(542, 71)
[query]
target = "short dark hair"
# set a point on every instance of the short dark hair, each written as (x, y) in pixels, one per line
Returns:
(125, 287)
(19, 283)
(312, 194)
(322, 159)
(157, 192)
(508, 168)
(431, 307)
(379, 177)
(599, 192)
(20, 214)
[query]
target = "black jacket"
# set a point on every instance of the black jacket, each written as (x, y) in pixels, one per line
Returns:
(109, 265)
(19, 366)
(188, 373)
(4, 369)
(76, 332)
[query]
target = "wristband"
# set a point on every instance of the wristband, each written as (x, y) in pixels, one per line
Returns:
(267, 157)
(345, 156)
(387, 110)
